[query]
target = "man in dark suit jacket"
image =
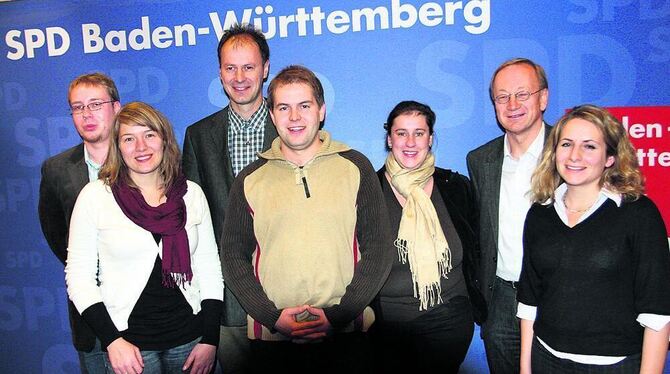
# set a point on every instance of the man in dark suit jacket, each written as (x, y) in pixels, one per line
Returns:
(94, 101)
(219, 146)
(500, 171)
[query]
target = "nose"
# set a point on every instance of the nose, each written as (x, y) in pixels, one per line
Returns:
(86, 112)
(239, 75)
(294, 115)
(411, 141)
(575, 154)
(140, 144)
(513, 103)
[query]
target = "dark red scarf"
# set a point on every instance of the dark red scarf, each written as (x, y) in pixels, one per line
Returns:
(168, 220)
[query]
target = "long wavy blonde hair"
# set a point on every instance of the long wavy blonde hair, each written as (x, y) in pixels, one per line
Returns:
(623, 176)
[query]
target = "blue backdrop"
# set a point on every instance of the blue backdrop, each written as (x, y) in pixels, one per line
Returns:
(370, 54)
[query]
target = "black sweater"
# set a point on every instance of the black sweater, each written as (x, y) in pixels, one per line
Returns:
(590, 282)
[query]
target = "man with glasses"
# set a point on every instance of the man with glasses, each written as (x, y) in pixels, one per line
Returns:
(219, 146)
(94, 101)
(500, 171)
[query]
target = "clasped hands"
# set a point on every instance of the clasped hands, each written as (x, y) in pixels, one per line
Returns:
(306, 331)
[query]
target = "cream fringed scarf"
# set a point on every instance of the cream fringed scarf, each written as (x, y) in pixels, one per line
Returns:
(420, 236)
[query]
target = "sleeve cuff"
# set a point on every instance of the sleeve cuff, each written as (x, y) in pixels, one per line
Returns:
(526, 312)
(98, 318)
(655, 322)
(211, 315)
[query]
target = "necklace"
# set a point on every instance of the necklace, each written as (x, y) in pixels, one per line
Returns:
(575, 210)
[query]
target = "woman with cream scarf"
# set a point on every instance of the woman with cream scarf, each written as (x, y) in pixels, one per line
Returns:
(426, 309)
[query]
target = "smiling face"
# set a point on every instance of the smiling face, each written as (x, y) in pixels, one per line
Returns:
(141, 149)
(410, 140)
(519, 117)
(93, 126)
(581, 155)
(242, 73)
(297, 117)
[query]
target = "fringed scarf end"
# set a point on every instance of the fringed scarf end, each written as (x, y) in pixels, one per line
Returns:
(429, 295)
(172, 280)
(403, 249)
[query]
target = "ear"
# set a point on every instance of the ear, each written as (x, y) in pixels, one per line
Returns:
(266, 69)
(388, 141)
(117, 107)
(430, 141)
(610, 161)
(544, 99)
(322, 112)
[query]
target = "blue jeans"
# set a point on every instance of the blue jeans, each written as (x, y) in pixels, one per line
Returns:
(169, 361)
(500, 332)
(543, 362)
(92, 362)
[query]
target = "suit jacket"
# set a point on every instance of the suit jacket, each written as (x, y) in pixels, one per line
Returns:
(458, 196)
(63, 177)
(206, 161)
(485, 169)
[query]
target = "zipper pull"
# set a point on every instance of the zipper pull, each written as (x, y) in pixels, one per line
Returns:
(304, 183)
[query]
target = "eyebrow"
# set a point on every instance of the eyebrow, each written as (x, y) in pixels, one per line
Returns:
(91, 99)
(583, 141)
(310, 101)
(148, 129)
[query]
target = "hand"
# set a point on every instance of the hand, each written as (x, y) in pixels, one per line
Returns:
(315, 332)
(287, 325)
(201, 359)
(125, 357)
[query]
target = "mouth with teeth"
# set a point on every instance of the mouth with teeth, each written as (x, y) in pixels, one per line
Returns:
(296, 129)
(143, 158)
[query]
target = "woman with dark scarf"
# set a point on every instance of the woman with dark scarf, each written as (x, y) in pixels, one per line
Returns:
(142, 267)
(425, 310)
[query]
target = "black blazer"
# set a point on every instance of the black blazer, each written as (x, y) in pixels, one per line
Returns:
(63, 177)
(206, 161)
(458, 196)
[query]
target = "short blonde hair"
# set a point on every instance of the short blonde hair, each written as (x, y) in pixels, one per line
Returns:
(623, 176)
(95, 79)
(141, 114)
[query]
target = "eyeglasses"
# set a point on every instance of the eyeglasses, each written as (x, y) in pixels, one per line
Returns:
(96, 105)
(519, 96)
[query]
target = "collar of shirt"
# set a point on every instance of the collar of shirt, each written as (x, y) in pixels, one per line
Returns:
(91, 166)
(255, 122)
(535, 149)
(602, 197)
(89, 161)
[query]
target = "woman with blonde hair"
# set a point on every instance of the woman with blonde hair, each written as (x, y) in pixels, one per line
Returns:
(142, 266)
(594, 292)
